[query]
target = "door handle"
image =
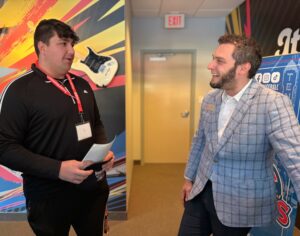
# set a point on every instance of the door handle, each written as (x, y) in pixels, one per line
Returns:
(184, 114)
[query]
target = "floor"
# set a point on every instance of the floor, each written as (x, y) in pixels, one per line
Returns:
(155, 207)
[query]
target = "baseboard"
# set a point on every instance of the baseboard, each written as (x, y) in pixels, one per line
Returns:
(13, 216)
(137, 162)
(117, 215)
(112, 215)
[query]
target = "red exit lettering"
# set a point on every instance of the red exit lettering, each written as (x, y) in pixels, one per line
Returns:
(174, 20)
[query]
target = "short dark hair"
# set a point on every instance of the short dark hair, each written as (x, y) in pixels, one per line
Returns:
(47, 28)
(246, 50)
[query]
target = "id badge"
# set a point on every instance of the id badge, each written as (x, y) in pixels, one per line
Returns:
(83, 131)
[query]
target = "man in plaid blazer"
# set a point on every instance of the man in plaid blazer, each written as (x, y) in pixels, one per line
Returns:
(229, 185)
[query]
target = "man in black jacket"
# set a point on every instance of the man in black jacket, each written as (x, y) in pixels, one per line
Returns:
(48, 121)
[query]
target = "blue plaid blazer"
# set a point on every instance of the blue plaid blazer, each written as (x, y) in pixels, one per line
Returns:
(240, 163)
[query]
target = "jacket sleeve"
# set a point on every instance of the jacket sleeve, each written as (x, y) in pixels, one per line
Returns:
(284, 135)
(14, 120)
(196, 150)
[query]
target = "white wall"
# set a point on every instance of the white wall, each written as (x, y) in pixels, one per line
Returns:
(128, 97)
(200, 34)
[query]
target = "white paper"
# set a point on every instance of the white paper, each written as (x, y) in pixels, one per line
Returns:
(98, 151)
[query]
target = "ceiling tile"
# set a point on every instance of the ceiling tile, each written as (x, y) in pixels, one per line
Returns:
(193, 8)
(187, 7)
(146, 13)
(211, 13)
(145, 4)
(221, 4)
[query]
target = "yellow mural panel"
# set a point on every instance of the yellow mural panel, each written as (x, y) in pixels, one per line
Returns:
(235, 22)
(14, 11)
(102, 40)
(116, 7)
(20, 51)
(59, 9)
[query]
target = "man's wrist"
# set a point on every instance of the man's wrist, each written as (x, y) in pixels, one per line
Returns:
(188, 179)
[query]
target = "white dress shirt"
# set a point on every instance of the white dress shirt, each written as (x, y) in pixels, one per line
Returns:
(227, 108)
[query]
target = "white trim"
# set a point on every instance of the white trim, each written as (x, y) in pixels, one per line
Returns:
(7, 86)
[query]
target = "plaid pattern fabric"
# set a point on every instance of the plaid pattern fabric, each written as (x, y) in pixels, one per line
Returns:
(240, 163)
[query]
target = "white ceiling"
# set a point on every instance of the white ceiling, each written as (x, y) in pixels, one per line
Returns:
(192, 8)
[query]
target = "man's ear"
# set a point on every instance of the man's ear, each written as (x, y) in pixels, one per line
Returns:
(244, 68)
(41, 46)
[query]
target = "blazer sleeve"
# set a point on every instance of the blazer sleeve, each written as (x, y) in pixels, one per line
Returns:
(284, 136)
(198, 143)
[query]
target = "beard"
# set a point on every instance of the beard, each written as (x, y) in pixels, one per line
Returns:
(225, 81)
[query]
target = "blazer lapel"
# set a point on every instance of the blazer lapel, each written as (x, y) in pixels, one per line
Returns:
(239, 113)
(212, 135)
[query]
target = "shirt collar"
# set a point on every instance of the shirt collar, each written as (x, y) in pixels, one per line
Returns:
(237, 97)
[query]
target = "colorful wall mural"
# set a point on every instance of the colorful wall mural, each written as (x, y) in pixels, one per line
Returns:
(99, 59)
(274, 24)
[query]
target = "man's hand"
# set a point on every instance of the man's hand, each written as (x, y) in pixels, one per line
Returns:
(73, 171)
(107, 166)
(186, 189)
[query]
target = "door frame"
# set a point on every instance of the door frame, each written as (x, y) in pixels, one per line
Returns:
(192, 89)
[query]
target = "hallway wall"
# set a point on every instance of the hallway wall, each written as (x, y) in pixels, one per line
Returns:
(128, 97)
(200, 34)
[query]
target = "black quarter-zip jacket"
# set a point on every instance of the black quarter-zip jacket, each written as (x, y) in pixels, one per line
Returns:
(38, 130)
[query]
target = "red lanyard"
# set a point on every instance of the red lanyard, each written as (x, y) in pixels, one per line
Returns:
(65, 90)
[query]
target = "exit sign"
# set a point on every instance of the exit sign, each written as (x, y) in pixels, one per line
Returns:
(174, 21)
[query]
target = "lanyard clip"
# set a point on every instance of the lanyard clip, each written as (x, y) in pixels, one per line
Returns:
(81, 117)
